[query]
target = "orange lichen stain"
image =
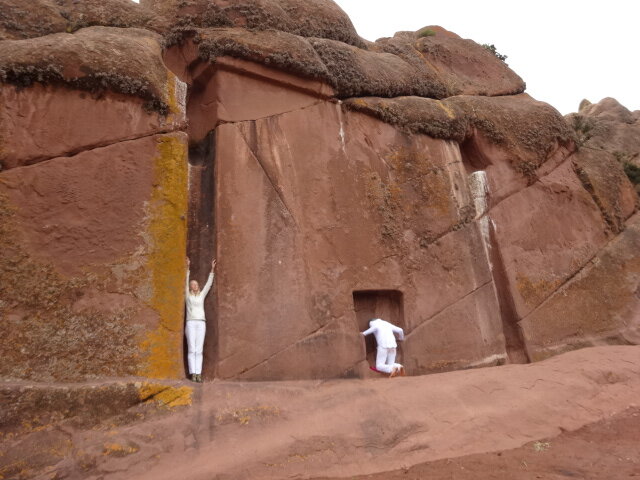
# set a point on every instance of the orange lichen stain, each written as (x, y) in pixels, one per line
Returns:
(62, 449)
(19, 466)
(423, 184)
(164, 395)
(534, 292)
(360, 102)
(450, 113)
(118, 450)
(30, 427)
(167, 234)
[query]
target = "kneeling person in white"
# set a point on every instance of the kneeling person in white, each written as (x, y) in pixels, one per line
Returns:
(386, 340)
(196, 325)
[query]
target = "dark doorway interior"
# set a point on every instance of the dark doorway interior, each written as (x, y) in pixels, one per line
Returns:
(384, 304)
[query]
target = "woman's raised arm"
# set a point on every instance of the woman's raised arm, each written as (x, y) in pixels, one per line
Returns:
(207, 286)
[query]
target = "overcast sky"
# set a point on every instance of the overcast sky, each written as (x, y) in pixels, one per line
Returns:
(565, 50)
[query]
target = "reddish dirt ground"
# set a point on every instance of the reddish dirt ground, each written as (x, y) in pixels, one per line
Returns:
(609, 449)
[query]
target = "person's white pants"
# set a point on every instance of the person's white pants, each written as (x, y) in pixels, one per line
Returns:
(195, 330)
(386, 360)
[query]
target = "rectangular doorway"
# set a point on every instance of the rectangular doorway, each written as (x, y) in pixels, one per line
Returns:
(384, 304)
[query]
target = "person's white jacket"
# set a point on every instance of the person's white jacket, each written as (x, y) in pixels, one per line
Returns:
(384, 333)
(195, 303)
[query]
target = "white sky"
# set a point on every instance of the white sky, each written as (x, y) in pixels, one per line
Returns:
(565, 50)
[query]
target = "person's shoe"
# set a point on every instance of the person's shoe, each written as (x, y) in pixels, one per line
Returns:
(199, 378)
(193, 377)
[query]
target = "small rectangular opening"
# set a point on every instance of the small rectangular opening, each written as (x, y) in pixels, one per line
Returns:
(384, 304)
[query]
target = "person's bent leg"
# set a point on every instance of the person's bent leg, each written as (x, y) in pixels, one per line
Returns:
(391, 357)
(396, 368)
(381, 359)
(199, 346)
(190, 332)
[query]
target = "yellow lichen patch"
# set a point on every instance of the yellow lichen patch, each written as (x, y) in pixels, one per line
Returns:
(165, 395)
(167, 236)
(175, 90)
(450, 113)
(423, 183)
(360, 102)
(118, 450)
(15, 467)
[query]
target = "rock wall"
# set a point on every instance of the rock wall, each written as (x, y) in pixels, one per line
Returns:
(93, 201)
(333, 178)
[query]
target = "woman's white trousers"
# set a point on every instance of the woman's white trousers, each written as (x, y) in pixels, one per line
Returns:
(195, 330)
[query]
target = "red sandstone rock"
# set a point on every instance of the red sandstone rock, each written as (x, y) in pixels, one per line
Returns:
(602, 174)
(84, 240)
(357, 203)
(456, 218)
(545, 234)
(43, 122)
(468, 218)
(599, 305)
(37, 18)
(95, 59)
(609, 126)
(320, 18)
(29, 19)
(275, 430)
(463, 66)
(39, 122)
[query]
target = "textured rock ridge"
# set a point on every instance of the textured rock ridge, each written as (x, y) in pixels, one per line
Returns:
(335, 179)
(95, 59)
(20, 20)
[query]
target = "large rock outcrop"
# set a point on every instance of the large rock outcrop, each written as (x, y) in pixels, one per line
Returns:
(335, 180)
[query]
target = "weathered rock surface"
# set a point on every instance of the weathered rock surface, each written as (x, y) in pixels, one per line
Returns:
(335, 179)
(599, 305)
(95, 59)
(322, 18)
(389, 68)
(90, 257)
(37, 18)
(463, 66)
(332, 428)
(609, 445)
(609, 127)
(603, 175)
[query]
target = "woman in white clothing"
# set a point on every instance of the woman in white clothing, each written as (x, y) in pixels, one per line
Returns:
(196, 325)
